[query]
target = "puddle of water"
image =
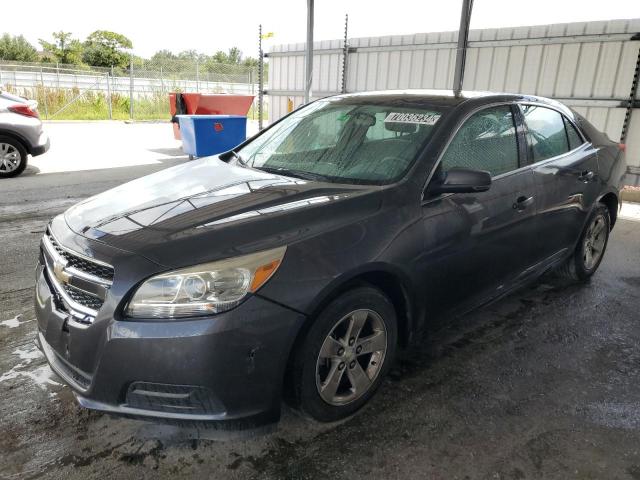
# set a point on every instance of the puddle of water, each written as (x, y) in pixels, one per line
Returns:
(14, 322)
(41, 376)
(28, 353)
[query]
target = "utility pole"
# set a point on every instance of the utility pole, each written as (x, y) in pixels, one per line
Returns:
(463, 39)
(109, 106)
(308, 73)
(131, 88)
(345, 54)
(260, 77)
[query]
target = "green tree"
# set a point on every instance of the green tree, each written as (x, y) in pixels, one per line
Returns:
(17, 48)
(220, 57)
(250, 62)
(164, 57)
(63, 49)
(105, 49)
(233, 56)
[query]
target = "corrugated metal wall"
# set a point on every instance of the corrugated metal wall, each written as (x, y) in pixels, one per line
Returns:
(588, 65)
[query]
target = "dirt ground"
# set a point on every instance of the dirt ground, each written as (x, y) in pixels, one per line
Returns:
(543, 384)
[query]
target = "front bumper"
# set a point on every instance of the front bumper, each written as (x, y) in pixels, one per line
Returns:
(227, 367)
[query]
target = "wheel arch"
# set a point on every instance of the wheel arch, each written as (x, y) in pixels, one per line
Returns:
(18, 137)
(611, 201)
(387, 278)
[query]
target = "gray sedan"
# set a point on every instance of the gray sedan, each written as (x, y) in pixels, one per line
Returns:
(21, 133)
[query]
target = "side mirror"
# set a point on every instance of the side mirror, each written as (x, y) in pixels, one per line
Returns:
(462, 180)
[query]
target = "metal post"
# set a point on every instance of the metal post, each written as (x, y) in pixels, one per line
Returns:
(463, 37)
(131, 88)
(345, 54)
(260, 77)
(44, 93)
(197, 75)
(109, 96)
(161, 80)
(58, 74)
(308, 73)
(632, 100)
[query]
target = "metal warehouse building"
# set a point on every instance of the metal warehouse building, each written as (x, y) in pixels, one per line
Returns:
(590, 66)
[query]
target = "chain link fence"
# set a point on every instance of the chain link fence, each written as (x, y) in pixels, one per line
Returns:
(139, 92)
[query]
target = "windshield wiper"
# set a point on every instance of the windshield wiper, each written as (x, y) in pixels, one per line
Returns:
(296, 173)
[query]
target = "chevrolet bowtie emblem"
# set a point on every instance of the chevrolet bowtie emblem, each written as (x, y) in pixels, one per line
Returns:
(60, 274)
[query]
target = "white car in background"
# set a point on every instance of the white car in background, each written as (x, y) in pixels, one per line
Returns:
(21, 133)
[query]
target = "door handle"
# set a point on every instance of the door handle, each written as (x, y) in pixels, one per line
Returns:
(522, 202)
(586, 176)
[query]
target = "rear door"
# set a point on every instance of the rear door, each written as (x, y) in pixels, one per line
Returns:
(476, 244)
(565, 169)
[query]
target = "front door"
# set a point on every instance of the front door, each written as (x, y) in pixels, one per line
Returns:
(476, 244)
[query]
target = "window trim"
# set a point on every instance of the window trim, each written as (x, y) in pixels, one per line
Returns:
(530, 161)
(521, 166)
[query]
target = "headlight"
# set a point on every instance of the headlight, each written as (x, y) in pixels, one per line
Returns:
(204, 289)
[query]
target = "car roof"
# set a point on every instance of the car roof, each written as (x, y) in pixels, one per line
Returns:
(446, 98)
(11, 97)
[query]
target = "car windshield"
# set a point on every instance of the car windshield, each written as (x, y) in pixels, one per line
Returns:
(343, 142)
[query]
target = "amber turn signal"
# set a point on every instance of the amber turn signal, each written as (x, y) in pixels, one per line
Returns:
(263, 274)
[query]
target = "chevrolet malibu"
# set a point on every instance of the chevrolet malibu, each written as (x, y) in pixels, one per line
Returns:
(297, 264)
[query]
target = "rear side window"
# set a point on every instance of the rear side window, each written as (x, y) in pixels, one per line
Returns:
(575, 140)
(547, 136)
(486, 141)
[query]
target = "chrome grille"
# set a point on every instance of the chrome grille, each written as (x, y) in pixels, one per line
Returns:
(85, 265)
(79, 284)
(82, 297)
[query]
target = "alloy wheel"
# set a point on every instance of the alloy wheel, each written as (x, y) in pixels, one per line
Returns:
(10, 158)
(594, 242)
(351, 357)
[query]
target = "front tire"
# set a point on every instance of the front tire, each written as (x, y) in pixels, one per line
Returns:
(13, 157)
(345, 355)
(589, 251)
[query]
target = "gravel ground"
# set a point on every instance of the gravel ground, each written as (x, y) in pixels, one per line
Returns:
(543, 384)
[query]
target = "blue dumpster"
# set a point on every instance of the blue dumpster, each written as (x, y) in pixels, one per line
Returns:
(204, 135)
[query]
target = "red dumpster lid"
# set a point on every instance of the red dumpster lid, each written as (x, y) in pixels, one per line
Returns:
(214, 103)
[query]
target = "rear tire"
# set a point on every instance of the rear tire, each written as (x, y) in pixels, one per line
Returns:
(13, 157)
(589, 251)
(345, 355)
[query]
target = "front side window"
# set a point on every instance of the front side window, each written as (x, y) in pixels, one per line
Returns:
(547, 136)
(486, 141)
(345, 142)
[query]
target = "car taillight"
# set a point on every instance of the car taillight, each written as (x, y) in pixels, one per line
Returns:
(25, 110)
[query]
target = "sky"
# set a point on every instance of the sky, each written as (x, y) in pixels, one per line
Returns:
(208, 26)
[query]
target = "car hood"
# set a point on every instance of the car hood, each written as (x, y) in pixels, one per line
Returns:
(207, 209)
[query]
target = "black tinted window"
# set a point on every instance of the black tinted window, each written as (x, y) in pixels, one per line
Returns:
(547, 135)
(486, 141)
(575, 140)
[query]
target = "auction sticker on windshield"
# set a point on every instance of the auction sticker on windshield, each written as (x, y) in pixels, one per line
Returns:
(420, 118)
